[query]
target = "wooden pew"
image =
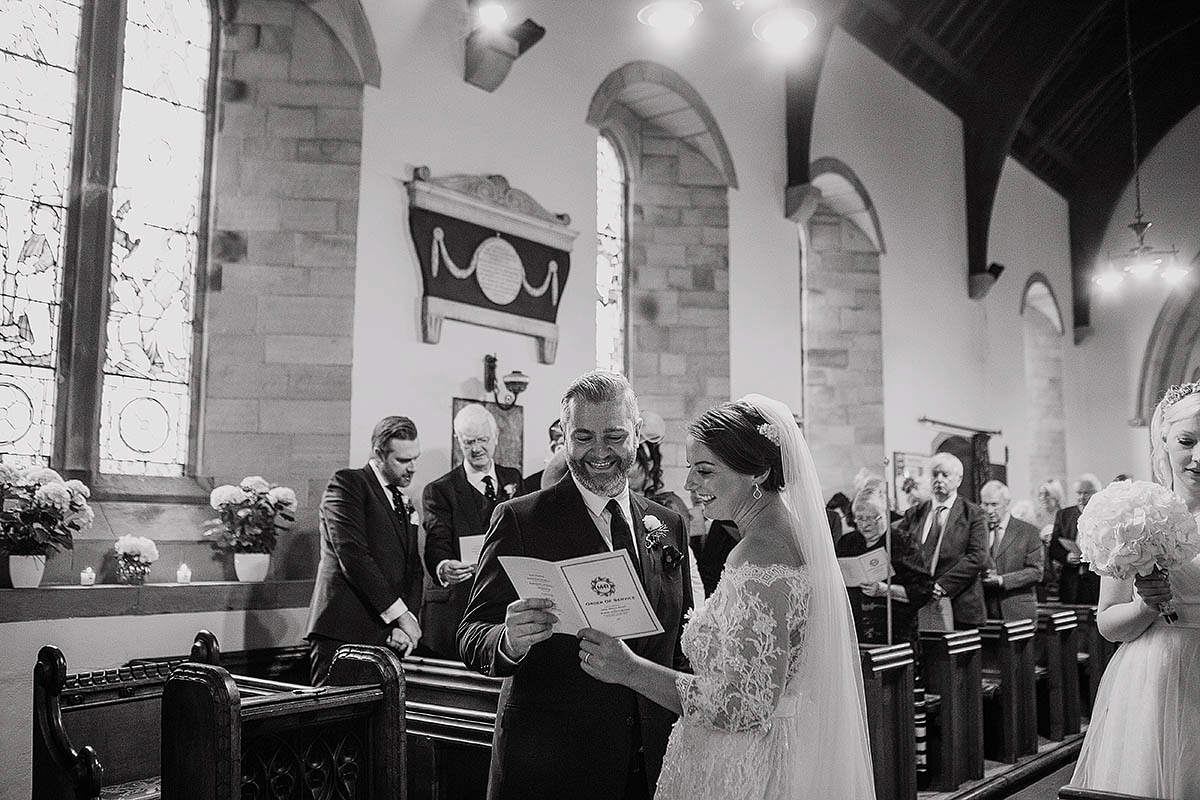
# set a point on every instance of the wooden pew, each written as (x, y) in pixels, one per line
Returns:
(1010, 714)
(451, 714)
(888, 685)
(1056, 650)
(224, 739)
(1072, 793)
(1094, 651)
(951, 666)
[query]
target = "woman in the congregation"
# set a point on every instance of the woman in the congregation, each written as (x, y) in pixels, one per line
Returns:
(1051, 497)
(910, 587)
(775, 706)
(1144, 736)
(645, 478)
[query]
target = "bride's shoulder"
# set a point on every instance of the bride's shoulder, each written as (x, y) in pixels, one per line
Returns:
(764, 562)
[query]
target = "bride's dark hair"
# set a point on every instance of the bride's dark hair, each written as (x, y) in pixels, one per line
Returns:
(731, 431)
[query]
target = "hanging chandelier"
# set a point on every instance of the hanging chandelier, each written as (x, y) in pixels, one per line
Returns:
(783, 28)
(1141, 262)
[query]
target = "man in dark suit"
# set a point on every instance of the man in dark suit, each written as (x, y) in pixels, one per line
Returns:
(458, 504)
(1076, 583)
(559, 732)
(533, 483)
(959, 527)
(369, 578)
(1014, 558)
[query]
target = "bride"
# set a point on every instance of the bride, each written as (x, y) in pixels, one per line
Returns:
(1144, 738)
(775, 708)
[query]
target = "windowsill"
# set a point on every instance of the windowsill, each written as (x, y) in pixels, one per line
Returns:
(150, 489)
(110, 600)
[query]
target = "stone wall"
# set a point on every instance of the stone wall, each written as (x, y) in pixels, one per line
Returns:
(678, 290)
(1044, 411)
(843, 352)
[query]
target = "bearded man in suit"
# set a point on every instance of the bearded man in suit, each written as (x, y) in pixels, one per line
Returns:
(1076, 583)
(958, 525)
(368, 583)
(458, 504)
(1015, 562)
(559, 732)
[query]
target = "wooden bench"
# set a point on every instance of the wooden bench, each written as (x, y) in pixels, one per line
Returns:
(1058, 694)
(951, 667)
(888, 685)
(1010, 710)
(451, 714)
(1094, 651)
(224, 739)
(1072, 793)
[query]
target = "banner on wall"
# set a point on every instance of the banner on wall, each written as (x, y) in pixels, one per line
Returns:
(489, 255)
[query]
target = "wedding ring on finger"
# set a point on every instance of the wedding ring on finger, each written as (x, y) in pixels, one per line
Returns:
(587, 658)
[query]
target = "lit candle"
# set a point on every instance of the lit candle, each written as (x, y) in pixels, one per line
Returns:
(183, 574)
(87, 576)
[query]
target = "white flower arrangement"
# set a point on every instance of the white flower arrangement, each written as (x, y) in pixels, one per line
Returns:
(39, 511)
(135, 554)
(250, 515)
(1135, 527)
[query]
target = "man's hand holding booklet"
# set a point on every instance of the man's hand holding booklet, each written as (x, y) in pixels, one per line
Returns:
(600, 591)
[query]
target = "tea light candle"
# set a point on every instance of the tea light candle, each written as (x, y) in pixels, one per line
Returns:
(87, 576)
(183, 574)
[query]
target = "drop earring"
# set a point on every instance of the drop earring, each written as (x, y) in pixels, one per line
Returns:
(756, 493)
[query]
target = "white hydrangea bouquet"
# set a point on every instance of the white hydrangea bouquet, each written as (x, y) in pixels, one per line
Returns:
(1135, 527)
(251, 514)
(39, 511)
(135, 554)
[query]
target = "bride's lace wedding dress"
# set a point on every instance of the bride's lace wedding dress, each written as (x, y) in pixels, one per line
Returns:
(739, 735)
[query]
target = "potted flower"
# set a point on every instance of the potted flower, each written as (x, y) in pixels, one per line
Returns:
(39, 513)
(251, 515)
(135, 554)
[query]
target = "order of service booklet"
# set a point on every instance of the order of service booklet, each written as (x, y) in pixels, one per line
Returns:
(600, 591)
(870, 567)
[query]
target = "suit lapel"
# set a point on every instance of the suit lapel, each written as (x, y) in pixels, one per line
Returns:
(577, 518)
(468, 503)
(650, 564)
(399, 522)
(1010, 532)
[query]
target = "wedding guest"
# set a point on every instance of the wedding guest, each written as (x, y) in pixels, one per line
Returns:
(774, 709)
(460, 503)
(1143, 738)
(559, 732)
(911, 584)
(1051, 497)
(645, 478)
(533, 483)
(1014, 566)
(368, 584)
(839, 505)
(1076, 583)
(952, 536)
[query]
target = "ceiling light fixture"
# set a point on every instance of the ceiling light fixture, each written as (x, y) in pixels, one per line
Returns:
(1141, 262)
(785, 27)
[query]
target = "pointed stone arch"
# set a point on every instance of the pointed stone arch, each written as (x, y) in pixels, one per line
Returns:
(350, 26)
(1039, 295)
(1172, 352)
(1042, 331)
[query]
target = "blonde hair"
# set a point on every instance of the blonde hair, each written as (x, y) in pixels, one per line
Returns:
(1165, 415)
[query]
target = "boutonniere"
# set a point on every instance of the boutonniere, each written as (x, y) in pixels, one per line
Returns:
(413, 516)
(656, 539)
(510, 490)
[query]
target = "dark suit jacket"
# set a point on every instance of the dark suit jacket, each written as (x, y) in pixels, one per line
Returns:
(870, 613)
(369, 559)
(1076, 582)
(962, 557)
(559, 732)
(710, 563)
(453, 508)
(1019, 563)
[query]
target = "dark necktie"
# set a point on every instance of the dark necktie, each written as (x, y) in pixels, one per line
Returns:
(618, 529)
(399, 502)
(935, 527)
(994, 531)
(489, 489)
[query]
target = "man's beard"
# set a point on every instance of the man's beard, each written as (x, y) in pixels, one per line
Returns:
(602, 486)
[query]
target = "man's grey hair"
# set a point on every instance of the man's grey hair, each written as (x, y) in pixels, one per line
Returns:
(996, 486)
(601, 386)
(948, 462)
(1090, 480)
(473, 416)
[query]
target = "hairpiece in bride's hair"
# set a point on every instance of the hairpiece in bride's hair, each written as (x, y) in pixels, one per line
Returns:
(1177, 393)
(770, 431)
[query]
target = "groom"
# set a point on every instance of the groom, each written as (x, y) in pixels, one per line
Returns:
(559, 732)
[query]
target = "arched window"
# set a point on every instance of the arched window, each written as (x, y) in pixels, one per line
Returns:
(103, 230)
(610, 257)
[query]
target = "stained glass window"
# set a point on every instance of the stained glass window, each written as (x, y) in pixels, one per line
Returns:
(156, 228)
(37, 104)
(610, 257)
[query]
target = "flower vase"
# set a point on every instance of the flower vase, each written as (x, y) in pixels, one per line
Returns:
(251, 567)
(132, 572)
(26, 571)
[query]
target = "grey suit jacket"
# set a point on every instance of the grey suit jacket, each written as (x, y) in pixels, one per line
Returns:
(1019, 562)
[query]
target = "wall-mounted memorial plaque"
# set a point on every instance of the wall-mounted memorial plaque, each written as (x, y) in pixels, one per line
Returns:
(490, 255)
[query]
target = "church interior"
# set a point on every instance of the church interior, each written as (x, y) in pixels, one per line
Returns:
(238, 233)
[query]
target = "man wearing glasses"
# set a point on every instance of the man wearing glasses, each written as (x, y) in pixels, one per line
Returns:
(460, 504)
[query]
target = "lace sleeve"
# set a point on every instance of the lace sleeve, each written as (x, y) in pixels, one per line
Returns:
(746, 667)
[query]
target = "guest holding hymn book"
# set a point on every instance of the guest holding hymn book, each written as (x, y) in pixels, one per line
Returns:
(911, 585)
(1076, 583)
